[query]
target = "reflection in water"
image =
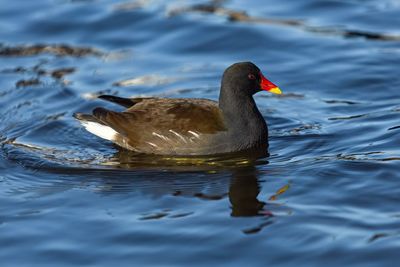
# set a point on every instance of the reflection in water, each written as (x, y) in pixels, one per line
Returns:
(127, 171)
(243, 192)
(131, 160)
(243, 187)
(242, 183)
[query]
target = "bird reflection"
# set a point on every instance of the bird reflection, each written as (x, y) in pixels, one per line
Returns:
(211, 178)
(239, 175)
(243, 192)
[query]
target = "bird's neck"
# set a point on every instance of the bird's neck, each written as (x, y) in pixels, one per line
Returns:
(240, 110)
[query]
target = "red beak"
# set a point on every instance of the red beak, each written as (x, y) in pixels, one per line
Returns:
(269, 86)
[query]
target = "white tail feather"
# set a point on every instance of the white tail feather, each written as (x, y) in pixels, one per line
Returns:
(100, 130)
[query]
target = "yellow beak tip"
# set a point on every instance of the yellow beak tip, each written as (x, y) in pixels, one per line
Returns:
(275, 90)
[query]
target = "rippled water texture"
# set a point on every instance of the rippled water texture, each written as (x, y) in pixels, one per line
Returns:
(327, 196)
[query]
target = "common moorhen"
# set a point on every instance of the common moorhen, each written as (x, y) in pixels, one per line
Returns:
(189, 126)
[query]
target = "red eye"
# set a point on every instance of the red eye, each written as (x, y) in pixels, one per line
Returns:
(251, 76)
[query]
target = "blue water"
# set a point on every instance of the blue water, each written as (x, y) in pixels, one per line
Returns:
(327, 196)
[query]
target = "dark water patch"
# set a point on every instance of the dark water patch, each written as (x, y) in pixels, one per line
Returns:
(258, 228)
(375, 237)
(57, 50)
(30, 82)
(306, 128)
(39, 71)
(15, 70)
(393, 128)
(156, 216)
(347, 102)
(60, 73)
(166, 214)
(348, 117)
(242, 16)
(210, 197)
(286, 95)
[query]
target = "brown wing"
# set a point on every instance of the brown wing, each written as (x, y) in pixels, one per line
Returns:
(125, 102)
(166, 126)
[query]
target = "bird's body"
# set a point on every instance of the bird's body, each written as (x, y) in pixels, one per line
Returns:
(177, 126)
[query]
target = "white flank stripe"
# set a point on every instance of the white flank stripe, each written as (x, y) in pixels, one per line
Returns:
(161, 136)
(100, 130)
(180, 136)
(150, 143)
(194, 133)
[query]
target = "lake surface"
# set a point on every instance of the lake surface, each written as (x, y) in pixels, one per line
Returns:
(328, 195)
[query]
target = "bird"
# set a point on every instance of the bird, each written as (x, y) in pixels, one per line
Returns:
(189, 126)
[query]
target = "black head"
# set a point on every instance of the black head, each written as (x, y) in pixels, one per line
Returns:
(246, 77)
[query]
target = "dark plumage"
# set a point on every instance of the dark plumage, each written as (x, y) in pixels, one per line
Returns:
(177, 126)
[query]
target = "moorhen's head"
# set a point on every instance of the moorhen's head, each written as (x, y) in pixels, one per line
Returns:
(247, 76)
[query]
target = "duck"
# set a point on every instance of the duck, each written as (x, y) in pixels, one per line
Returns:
(189, 126)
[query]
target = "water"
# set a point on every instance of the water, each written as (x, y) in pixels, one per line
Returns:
(327, 196)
